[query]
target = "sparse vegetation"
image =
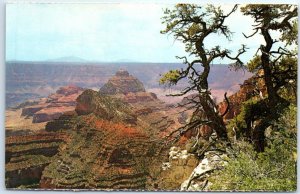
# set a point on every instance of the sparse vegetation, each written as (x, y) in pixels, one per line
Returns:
(263, 134)
(271, 170)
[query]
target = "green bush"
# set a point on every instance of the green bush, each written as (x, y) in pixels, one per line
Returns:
(251, 109)
(271, 170)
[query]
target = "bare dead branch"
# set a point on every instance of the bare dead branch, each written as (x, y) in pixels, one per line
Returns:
(228, 105)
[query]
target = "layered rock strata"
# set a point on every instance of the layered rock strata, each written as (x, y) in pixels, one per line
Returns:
(122, 83)
(47, 109)
(107, 151)
(26, 157)
(115, 141)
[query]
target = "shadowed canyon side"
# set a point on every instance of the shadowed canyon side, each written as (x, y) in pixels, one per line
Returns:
(26, 157)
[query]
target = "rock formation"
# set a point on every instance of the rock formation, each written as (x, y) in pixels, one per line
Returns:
(154, 113)
(26, 156)
(116, 140)
(47, 109)
(111, 139)
(107, 108)
(122, 83)
(178, 168)
(198, 179)
(107, 149)
(247, 90)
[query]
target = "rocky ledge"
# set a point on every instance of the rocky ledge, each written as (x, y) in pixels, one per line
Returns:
(178, 168)
(250, 88)
(198, 179)
(26, 156)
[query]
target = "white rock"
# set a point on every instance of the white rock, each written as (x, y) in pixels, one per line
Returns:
(166, 166)
(174, 158)
(174, 148)
(184, 152)
(172, 154)
(184, 157)
(211, 161)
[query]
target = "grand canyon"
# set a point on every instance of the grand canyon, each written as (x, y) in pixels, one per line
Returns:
(151, 97)
(79, 126)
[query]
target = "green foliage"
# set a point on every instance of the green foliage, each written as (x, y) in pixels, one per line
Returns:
(196, 146)
(271, 170)
(288, 65)
(288, 120)
(291, 37)
(170, 78)
(282, 19)
(251, 109)
(190, 23)
(254, 64)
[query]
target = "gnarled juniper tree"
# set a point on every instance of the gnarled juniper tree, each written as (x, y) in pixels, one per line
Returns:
(192, 25)
(278, 64)
(278, 60)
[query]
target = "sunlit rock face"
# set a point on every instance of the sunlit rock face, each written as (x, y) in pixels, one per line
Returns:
(105, 107)
(122, 83)
(251, 87)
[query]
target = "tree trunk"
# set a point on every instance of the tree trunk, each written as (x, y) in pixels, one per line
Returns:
(272, 94)
(212, 115)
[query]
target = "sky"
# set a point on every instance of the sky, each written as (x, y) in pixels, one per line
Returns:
(106, 32)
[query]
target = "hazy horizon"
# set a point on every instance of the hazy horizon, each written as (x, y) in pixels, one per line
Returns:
(83, 61)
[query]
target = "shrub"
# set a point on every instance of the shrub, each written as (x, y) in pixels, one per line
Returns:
(271, 170)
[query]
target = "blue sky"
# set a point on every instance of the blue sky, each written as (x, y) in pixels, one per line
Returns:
(104, 32)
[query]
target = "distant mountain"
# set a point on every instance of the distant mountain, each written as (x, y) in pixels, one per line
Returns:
(125, 61)
(68, 59)
(43, 78)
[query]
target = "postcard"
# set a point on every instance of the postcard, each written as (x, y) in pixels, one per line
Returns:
(151, 97)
